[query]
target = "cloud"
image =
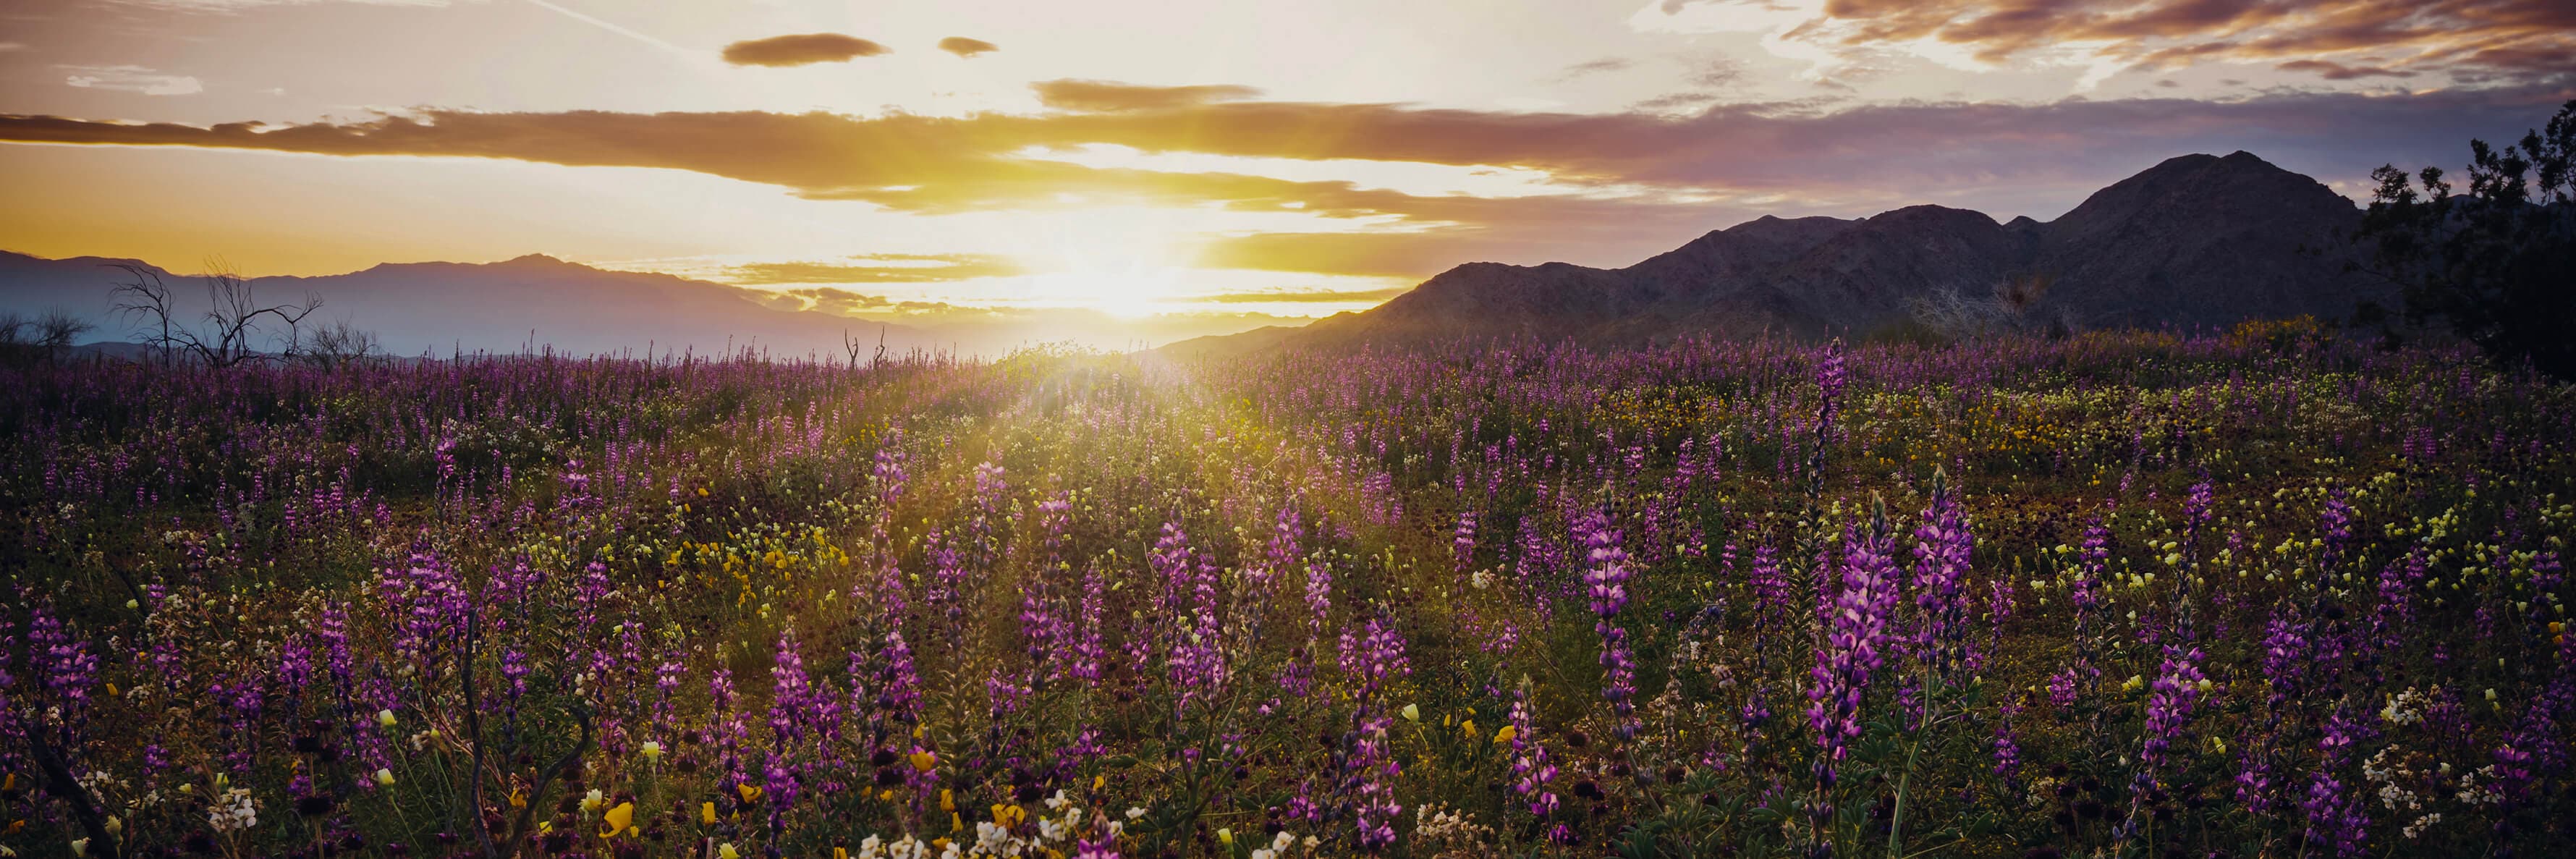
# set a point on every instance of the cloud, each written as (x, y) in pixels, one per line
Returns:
(1718, 72)
(835, 300)
(800, 50)
(878, 268)
(1599, 66)
(229, 6)
(1306, 296)
(1685, 101)
(966, 47)
(927, 163)
(1632, 182)
(136, 79)
(1111, 97)
(2335, 71)
(6, 47)
(2525, 38)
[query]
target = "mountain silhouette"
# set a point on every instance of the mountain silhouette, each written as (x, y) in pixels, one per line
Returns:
(440, 308)
(2199, 240)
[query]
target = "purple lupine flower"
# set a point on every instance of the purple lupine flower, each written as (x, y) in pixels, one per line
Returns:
(1605, 579)
(2336, 519)
(888, 471)
(2338, 822)
(983, 542)
(1099, 839)
(1089, 650)
(729, 731)
(1043, 628)
(1942, 549)
(1831, 376)
(1462, 543)
(1855, 632)
(1372, 657)
(1374, 772)
(2286, 655)
(947, 583)
(429, 603)
(899, 683)
(1531, 770)
(2007, 749)
(1196, 652)
(2169, 703)
(797, 709)
(2093, 557)
(62, 663)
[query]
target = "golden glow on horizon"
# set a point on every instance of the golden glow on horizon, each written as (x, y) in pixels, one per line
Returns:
(1350, 147)
(1119, 260)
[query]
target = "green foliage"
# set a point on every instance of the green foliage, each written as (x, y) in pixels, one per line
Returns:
(2496, 264)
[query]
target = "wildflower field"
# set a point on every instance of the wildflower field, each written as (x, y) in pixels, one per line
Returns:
(2260, 593)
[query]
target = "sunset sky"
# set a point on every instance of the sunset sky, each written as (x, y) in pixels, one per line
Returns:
(1283, 160)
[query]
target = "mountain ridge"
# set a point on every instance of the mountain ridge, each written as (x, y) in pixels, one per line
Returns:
(439, 307)
(2194, 240)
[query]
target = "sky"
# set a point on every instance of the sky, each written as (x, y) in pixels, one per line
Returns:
(1208, 166)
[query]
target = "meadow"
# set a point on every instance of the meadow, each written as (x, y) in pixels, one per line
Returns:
(2263, 592)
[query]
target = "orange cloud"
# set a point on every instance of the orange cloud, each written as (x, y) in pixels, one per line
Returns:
(877, 268)
(2335, 71)
(800, 50)
(1307, 296)
(1109, 97)
(1647, 181)
(844, 302)
(966, 47)
(2478, 37)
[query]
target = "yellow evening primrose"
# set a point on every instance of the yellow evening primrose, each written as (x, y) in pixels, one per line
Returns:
(618, 819)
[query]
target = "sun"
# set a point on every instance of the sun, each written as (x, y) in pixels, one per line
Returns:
(1125, 294)
(1124, 262)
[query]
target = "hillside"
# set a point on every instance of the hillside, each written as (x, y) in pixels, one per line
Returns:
(445, 307)
(2195, 241)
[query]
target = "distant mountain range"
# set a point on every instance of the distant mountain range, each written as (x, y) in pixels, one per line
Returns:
(439, 308)
(2199, 240)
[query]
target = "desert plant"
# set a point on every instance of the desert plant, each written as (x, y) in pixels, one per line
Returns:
(339, 344)
(2497, 264)
(26, 341)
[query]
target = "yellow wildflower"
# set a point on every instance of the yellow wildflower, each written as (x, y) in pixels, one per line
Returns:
(618, 819)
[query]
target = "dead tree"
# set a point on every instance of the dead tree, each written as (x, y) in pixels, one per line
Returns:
(235, 318)
(339, 344)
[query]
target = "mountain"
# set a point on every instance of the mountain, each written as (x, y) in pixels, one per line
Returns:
(2198, 240)
(442, 307)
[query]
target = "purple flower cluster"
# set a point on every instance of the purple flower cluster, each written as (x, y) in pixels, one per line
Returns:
(1942, 548)
(1605, 581)
(1856, 631)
